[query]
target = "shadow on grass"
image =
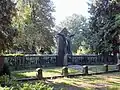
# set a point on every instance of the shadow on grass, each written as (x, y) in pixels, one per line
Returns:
(114, 83)
(64, 86)
(92, 78)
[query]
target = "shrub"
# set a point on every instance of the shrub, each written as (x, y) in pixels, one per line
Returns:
(28, 86)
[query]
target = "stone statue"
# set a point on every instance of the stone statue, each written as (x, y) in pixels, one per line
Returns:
(64, 45)
(67, 42)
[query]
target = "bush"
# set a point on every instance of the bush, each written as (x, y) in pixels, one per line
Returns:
(28, 86)
(4, 80)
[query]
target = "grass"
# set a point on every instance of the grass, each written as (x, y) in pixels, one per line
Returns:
(56, 71)
(103, 82)
(95, 82)
(46, 72)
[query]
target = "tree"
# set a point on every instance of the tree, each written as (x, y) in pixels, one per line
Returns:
(78, 25)
(103, 25)
(36, 25)
(7, 32)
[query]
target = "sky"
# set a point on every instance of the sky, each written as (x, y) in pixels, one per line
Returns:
(65, 8)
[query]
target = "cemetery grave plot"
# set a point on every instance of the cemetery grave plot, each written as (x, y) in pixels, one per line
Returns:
(47, 72)
(57, 71)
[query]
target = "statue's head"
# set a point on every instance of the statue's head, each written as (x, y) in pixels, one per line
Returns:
(65, 31)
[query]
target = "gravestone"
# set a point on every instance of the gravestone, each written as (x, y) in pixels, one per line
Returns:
(64, 46)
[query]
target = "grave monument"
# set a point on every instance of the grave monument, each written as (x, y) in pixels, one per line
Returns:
(64, 47)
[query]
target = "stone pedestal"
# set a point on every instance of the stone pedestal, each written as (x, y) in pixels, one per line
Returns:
(85, 70)
(105, 67)
(39, 73)
(65, 71)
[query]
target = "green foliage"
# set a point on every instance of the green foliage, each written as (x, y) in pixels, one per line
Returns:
(4, 78)
(78, 25)
(7, 32)
(23, 16)
(28, 86)
(12, 84)
(34, 21)
(104, 25)
(83, 50)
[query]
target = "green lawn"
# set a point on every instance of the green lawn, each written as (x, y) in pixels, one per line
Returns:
(103, 82)
(95, 82)
(56, 71)
(47, 72)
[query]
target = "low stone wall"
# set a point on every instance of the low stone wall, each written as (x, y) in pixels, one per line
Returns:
(91, 60)
(34, 61)
(31, 61)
